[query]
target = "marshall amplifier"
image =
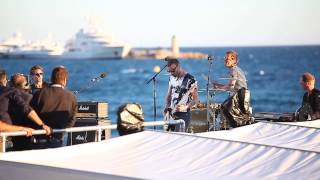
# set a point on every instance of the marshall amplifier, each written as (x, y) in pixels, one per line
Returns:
(83, 137)
(90, 109)
(88, 136)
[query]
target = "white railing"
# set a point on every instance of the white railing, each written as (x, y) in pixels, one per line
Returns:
(98, 129)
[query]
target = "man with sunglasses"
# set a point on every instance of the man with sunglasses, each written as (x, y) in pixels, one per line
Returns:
(182, 94)
(36, 73)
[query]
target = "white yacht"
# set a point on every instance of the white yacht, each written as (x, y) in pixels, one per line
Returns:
(17, 47)
(11, 44)
(93, 44)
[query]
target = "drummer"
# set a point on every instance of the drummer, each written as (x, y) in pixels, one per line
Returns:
(237, 78)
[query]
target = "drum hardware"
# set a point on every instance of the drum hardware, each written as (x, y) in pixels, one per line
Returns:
(228, 78)
(199, 121)
(213, 90)
(211, 117)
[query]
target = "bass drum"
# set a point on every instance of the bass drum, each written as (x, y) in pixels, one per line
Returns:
(199, 121)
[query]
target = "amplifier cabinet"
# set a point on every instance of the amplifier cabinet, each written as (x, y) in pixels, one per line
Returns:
(83, 137)
(88, 136)
(90, 109)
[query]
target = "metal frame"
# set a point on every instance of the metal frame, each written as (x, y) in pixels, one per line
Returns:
(98, 129)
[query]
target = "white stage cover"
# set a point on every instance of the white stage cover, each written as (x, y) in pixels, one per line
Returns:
(160, 155)
(299, 135)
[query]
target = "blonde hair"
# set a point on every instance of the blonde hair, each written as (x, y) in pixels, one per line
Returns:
(307, 77)
(233, 53)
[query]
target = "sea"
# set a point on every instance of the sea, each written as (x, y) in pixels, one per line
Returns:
(272, 72)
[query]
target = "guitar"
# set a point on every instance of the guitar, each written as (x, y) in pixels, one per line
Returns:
(169, 116)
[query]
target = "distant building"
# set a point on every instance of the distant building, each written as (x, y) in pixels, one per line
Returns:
(161, 53)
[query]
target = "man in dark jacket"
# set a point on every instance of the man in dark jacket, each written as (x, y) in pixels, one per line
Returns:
(56, 106)
(19, 82)
(11, 100)
(312, 96)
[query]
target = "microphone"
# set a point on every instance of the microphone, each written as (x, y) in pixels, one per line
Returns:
(210, 58)
(102, 75)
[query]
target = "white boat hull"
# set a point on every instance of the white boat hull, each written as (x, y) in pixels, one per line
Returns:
(100, 53)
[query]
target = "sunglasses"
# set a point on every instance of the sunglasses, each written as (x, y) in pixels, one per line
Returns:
(172, 70)
(37, 74)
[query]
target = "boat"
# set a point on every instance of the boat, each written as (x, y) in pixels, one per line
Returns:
(17, 47)
(11, 44)
(93, 44)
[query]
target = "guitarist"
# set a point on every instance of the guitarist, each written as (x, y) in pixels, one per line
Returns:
(182, 94)
(312, 96)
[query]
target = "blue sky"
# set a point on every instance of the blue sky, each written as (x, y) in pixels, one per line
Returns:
(151, 23)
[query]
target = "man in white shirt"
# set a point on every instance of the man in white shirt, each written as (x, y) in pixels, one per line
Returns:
(182, 94)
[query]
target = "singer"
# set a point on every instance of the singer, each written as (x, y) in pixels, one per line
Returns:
(182, 94)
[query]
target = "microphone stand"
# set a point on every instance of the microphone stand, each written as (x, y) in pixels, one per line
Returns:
(153, 79)
(89, 85)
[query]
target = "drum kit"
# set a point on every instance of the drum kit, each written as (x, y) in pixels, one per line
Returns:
(207, 117)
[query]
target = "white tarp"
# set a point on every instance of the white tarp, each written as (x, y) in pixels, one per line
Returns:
(300, 135)
(160, 155)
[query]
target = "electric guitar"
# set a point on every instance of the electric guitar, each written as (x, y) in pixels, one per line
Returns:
(169, 116)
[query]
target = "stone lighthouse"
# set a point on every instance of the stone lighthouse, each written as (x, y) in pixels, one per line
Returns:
(175, 47)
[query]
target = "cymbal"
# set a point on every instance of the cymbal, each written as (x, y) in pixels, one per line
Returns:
(213, 89)
(232, 78)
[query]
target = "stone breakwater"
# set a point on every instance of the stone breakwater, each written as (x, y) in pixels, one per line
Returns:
(162, 53)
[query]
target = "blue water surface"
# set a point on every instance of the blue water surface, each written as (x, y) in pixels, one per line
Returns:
(272, 72)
